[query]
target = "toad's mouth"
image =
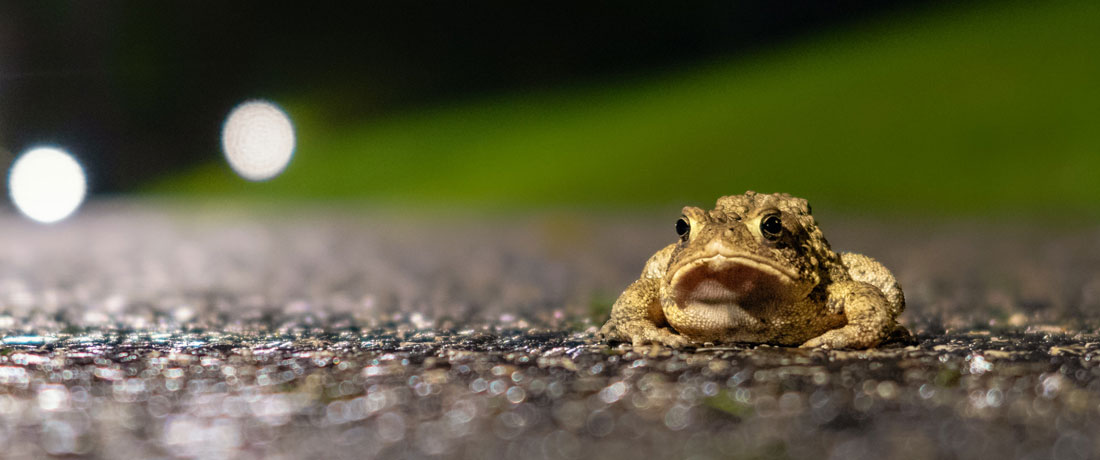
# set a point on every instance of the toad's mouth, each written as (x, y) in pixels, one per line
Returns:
(735, 280)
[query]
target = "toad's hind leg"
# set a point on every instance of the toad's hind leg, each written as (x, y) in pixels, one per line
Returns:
(867, 270)
(868, 312)
(870, 271)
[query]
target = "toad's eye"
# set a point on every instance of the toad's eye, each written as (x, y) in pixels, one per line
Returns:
(683, 228)
(771, 227)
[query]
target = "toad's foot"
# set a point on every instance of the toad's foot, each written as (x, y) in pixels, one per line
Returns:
(641, 333)
(637, 318)
(869, 319)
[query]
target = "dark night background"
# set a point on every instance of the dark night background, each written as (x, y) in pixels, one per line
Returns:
(135, 87)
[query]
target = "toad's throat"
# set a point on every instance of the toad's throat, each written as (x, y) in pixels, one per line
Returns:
(721, 280)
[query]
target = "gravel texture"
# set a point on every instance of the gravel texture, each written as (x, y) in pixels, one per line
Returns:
(141, 329)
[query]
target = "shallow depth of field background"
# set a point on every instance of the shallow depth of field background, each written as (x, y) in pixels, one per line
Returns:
(472, 187)
(898, 108)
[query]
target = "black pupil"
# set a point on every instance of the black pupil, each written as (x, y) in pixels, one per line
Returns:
(682, 227)
(771, 225)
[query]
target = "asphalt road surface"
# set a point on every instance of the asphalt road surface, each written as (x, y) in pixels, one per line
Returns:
(149, 330)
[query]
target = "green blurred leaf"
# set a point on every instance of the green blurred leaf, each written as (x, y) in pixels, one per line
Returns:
(989, 108)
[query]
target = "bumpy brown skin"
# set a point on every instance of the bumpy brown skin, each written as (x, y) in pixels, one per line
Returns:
(732, 279)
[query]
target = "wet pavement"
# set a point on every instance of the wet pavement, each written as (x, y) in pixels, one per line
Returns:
(147, 330)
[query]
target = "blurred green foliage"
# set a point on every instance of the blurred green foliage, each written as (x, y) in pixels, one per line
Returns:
(726, 403)
(993, 108)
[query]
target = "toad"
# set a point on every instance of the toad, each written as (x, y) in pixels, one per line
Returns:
(756, 269)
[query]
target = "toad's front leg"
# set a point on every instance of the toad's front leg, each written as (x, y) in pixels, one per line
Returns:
(870, 317)
(637, 317)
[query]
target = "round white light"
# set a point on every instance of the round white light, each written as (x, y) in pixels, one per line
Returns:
(46, 184)
(258, 140)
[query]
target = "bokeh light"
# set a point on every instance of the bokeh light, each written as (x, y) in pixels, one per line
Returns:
(258, 140)
(46, 184)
